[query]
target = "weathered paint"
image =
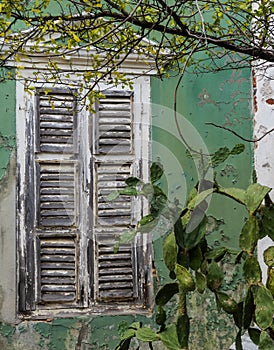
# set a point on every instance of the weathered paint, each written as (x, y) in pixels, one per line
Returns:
(263, 124)
(7, 123)
(8, 242)
(223, 98)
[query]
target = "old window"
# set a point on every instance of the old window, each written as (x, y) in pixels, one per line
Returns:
(69, 160)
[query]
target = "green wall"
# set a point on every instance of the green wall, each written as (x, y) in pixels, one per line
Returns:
(7, 122)
(223, 98)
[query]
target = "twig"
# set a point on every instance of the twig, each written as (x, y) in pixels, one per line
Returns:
(238, 135)
(202, 21)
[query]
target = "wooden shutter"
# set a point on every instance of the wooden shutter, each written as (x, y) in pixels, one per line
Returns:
(114, 123)
(56, 225)
(115, 278)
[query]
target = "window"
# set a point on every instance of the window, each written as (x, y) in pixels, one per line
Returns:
(69, 160)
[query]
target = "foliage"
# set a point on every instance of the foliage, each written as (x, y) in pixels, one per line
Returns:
(195, 266)
(213, 34)
(165, 32)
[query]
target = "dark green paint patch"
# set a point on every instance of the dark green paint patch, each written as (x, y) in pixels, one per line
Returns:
(44, 329)
(7, 331)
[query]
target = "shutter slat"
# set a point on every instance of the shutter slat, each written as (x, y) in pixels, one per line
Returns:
(57, 269)
(115, 270)
(62, 184)
(56, 205)
(56, 118)
(58, 298)
(112, 213)
(114, 205)
(57, 183)
(114, 124)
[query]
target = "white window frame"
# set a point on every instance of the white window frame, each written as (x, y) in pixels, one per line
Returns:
(24, 103)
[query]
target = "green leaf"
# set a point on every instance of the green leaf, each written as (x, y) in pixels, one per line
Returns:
(200, 282)
(160, 316)
(170, 251)
(169, 338)
(238, 342)
(129, 191)
(255, 195)
(135, 325)
(238, 315)
(214, 277)
(264, 307)
(227, 303)
(195, 258)
(147, 189)
(125, 237)
(147, 223)
(192, 237)
(266, 342)
(194, 202)
(146, 334)
(236, 193)
(156, 172)
(166, 293)
(129, 333)
(185, 280)
(252, 271)
(216, 254)
(269, 256)
(254, 334)
(237, 149)
(248, 309)
(179, 232)
(182, 329)
(267, 222)
(133, 181)
(112, 196)
(158, 202)
(249, 235)
(270, 280)
(146, 219)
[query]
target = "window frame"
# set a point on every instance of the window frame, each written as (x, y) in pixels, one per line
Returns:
(25, 108)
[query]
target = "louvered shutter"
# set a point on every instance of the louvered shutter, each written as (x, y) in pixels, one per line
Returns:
(57, 183)
(114, 161)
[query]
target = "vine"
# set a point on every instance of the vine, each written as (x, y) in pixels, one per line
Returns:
(195, 266)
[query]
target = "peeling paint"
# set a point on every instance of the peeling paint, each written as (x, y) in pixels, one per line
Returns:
(7, 124)
(7, 331)
(270, 101)
(231, 173)
(255, 102)
(228, 103)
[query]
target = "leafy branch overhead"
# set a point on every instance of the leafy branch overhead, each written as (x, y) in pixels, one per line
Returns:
(110, 30)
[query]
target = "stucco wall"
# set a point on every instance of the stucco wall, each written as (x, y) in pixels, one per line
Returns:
(224, 98)
(263, 85)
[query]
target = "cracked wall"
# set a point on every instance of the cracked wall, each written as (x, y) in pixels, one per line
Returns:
(224, 98)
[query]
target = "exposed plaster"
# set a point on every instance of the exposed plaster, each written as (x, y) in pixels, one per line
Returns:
(270, 101)
(7, 243)
(263, 122)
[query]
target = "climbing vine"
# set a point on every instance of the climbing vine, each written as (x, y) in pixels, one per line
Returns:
(194, 265)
